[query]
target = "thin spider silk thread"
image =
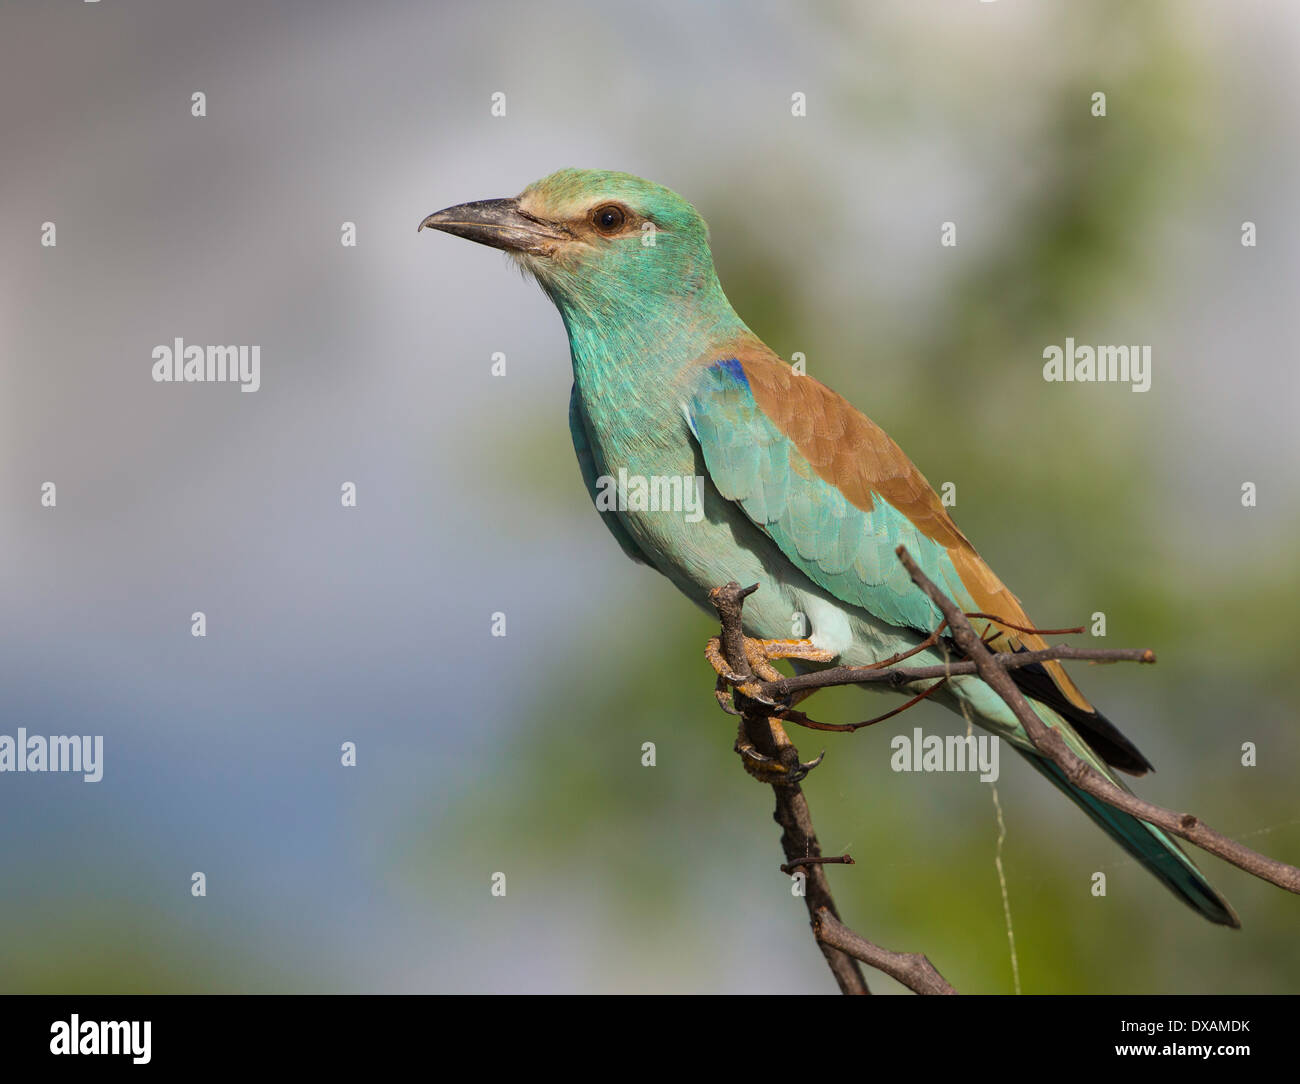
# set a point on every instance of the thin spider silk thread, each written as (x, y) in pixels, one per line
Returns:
(997, 853)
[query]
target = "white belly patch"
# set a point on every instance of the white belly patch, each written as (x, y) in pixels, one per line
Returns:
(831, 630)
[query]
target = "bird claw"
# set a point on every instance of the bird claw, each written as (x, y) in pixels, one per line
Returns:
(800, 772)
(723, 695)
(773, 770)
(751, 692)
(727, 700)
(749, 752)
(808, 766)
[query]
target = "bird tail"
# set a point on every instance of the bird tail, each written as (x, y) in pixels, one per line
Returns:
(1148, 844)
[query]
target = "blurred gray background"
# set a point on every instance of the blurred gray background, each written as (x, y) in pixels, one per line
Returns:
(522, 755)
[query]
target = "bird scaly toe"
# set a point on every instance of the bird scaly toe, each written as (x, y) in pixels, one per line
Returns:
(750, 689)
(793, 649)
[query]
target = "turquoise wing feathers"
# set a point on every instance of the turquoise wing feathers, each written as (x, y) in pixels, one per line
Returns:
(841, 548)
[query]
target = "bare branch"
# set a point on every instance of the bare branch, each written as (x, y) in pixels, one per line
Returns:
(912, 969)
(798, 837)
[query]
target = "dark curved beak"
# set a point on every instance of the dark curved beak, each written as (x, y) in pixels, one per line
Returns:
(498, 223)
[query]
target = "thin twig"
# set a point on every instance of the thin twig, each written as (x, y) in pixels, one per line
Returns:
(800, 719)
(831, 860)
(905, 675)
(1073, 630)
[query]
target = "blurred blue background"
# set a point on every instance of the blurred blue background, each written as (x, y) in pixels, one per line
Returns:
(522, 754)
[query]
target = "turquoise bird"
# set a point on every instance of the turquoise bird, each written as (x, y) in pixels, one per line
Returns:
(798, 492)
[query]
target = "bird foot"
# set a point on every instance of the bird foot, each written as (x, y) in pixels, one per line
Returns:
(727, 679)
(759, 653)
(781, 766)
(784, 769)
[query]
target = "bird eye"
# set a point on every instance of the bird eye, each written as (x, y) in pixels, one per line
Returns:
(609, 218)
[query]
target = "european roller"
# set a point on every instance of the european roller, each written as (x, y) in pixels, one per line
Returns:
(799, 492)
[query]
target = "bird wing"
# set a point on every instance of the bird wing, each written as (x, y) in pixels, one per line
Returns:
(838, 496)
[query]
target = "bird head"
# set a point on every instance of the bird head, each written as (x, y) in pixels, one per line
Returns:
(598, 242)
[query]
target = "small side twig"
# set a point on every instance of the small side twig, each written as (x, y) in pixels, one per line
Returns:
(832, 860)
